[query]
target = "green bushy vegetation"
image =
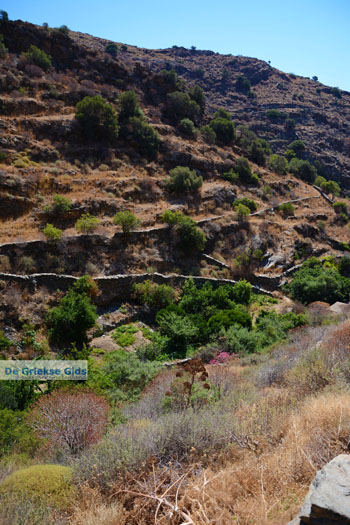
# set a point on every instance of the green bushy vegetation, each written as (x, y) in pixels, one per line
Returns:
(97, 118)
(318, 281)
(52, 484)
(179, 105)
(303, 169)
(208, 134)
(223, 127)
(286, 209)
(127, 220)
(256, 149)
(154, 295)
(124, 335)
(87, 223)
(51, 233)
(69, 321)
(38, 57)
(278, 164)
(112, 49)
(146, 137)
(183, 180)
(187, 127)
(191, 238)
(60, 206)
(249, 203)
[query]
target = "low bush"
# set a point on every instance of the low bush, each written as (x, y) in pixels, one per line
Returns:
(243, 169)
(286, 209)
(36, 56)
(146, 136)
(278, 164)
(223, 127)
(242, 211)
(183, 180)
(179, 105)
(15, 433)
(303, 169)
(129, 106)
(87, 223)
(97, 118)
(127, 220)
(208, 134)
(154, 295)
(191, 238)
(51, 233)
(60, 205)
(249, 203)
(112, 49)
(49, 484)
(124, 335)
(187, 127)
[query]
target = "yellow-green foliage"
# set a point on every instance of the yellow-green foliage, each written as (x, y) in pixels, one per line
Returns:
(49, 484)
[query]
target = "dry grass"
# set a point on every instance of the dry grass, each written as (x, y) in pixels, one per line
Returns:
(93, 509)
(269, 489)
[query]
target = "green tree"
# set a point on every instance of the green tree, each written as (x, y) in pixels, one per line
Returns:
(208, 134)
(224, 129)
(242, 83)
(303, 169)
(97, 118)
(87, 223)
(112, 49)
(191, 238)
(278, 164)
(129, 106)
(287, 209)
(36, 56)
(51, 233)
(127, 220)
(183, 180)
(145, 136)
(154, 295)
(187, 127)
(242, 211)
(69, 321)
(179, 105)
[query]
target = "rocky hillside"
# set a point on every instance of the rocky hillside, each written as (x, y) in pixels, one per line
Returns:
(44, 153)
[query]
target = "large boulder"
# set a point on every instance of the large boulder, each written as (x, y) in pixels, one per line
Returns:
(328, 499)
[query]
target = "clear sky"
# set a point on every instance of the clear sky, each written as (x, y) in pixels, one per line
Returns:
(305, 37)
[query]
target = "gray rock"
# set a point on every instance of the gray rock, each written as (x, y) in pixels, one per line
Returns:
(340, 308)
(328, 499)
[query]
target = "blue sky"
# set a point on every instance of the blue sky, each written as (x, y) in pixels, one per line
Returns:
(305, 37)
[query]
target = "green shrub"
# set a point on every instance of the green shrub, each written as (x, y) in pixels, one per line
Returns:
(303, 169)
(97, 118)
(187, 127)
(127, 220)
(87, 223)
(243, 169)
(197, 94)
(255, 148)
(112, 49)
(60, 205)
(124, 335)
(286, 209)
(289, 125)
(278, 164)
(5, 343)
(36, 56)
(226, 318)
(180, 331)
(51, 484)
(51, 233)
(145, 136)
(330, 186)
(154, 295)
(231, 176)
(242, 211)
(179, 105)
(183, 180)
(316, 282)
(15, 434)
(127, 375)
(191, 238)
(208, 134)
(129, 106)
(242, 292)
(249, 203)
(242, 83)
(297, 147)
(275, 115)
(272, 327)
(70, 320)
(240, 340)
(224, 129)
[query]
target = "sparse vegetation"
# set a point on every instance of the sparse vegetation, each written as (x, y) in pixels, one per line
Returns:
(38, 57)
(87, 223)
(127, 220)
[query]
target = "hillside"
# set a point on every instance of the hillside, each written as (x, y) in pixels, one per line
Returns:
(179, 220)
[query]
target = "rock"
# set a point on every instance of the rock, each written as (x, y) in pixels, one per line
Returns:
(328, 499)
(340, 308)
